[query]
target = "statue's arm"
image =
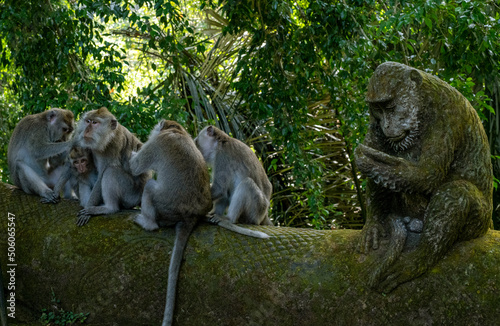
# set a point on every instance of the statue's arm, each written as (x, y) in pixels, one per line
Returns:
(378, 202)
(399, 174)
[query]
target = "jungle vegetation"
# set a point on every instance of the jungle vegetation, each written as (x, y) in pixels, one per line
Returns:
(287, 77)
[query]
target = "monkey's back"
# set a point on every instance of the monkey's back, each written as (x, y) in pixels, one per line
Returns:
(455, 116)
(237, 157)
(27, 129)
(182, 175)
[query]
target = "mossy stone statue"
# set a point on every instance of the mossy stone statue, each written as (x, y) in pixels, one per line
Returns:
(430, 179)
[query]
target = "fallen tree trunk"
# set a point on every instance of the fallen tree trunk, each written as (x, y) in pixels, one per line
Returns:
(117, 272)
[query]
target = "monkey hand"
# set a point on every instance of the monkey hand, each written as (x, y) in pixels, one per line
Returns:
(370, 236)
(216, 218)
(50, 198)
(83, 217)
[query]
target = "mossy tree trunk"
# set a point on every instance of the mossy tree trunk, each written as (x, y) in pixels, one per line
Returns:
(117, 272)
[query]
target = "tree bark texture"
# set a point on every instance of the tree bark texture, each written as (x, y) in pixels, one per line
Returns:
(117, 272)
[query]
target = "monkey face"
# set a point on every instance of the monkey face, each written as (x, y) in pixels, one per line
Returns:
(81, 159)
(91, 127)
(97, 129)
(81, 165)
(395, 109)
(60, 124)
(397, 120)
(394, 119)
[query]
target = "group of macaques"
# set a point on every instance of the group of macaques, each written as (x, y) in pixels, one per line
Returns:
(426, 158)
(109, 169)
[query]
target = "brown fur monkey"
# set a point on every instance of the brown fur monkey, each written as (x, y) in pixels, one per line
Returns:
(79, 174)
(111, 145)
(180, 196)
(36, 139)
(240, 183)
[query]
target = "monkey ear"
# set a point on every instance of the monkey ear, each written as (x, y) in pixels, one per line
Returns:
(210, 131)
(161, 124)
(416, 77)
(51, 117)
(114, 124)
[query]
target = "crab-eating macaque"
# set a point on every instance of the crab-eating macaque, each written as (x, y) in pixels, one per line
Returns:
(240, 183)
(180, 196)
(111, 145)
(36, 139)
(79, 174)
(56, 167)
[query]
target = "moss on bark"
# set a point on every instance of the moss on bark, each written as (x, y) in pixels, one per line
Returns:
(118, 272)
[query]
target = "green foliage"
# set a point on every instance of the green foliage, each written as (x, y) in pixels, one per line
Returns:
(51, 45)
(58, 316)
(286, 76)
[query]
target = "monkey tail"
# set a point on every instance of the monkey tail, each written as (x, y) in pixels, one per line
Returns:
(238, 229)
(182, 232)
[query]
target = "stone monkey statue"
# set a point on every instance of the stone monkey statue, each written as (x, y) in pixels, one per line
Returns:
(428, 164)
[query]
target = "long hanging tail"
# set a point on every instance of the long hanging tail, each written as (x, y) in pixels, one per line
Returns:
(182, 232)
(238, 229)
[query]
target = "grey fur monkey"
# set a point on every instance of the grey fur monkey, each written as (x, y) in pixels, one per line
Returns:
(111, 145)
(180, 196)
(56, 167)
(79, 174)
(36, 139)
(240, 183)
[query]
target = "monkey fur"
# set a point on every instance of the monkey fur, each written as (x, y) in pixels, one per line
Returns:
(180, 196)
(111, 145)
(240, 183)
(79, 174)
(36, 139)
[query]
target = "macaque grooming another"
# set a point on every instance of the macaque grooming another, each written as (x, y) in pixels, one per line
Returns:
(36, 139)
(180, 196)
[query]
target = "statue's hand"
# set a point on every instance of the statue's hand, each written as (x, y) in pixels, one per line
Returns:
(406, 268)
(376, 157)
(370, 236)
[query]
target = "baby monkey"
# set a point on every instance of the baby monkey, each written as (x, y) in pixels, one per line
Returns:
(79, 174)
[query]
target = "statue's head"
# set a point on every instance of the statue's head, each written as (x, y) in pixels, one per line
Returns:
(394, 98)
